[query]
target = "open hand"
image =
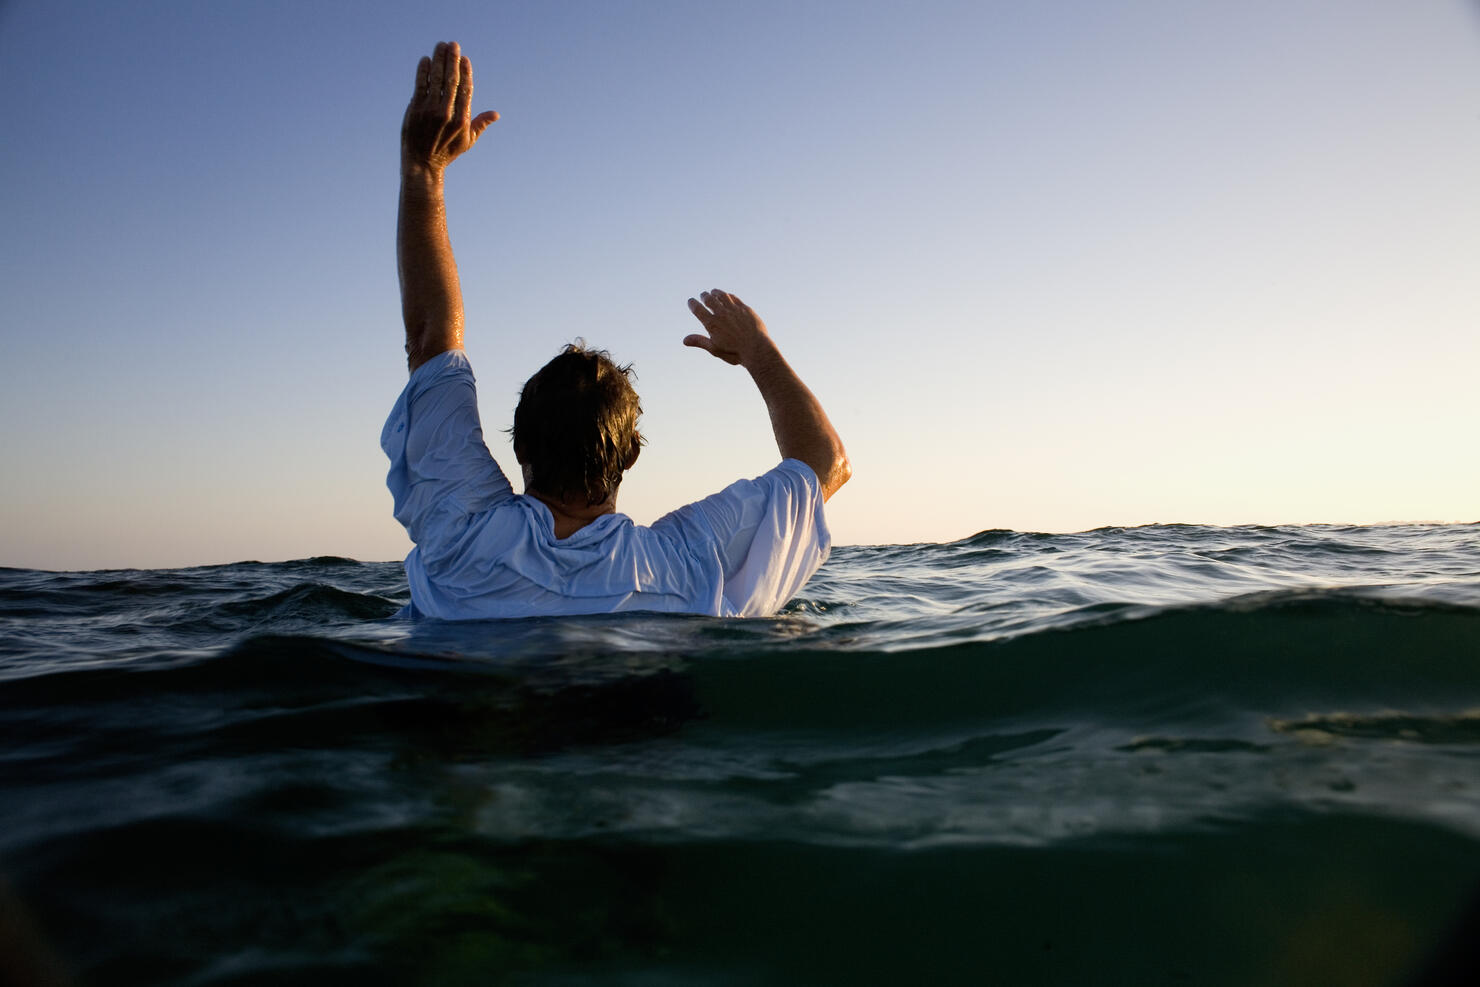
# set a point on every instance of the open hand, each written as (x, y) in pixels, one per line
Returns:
(438, 125)
(734, 330)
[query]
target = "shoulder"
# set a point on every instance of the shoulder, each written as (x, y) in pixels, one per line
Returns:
(794, 471)
(785, 494)
(790, 477)
(448, 363)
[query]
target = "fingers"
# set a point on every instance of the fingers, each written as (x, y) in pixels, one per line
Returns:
(423, 70)
(705, 343)
(437, 76)
(462, 107)
(716, 321)
(452, 73)
(444, 74)
(481, 121)
(718, 301)
(722, 302)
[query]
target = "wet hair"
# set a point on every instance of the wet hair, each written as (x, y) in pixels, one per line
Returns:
(576, 425)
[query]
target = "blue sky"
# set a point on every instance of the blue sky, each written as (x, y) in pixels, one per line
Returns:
(1049, 266)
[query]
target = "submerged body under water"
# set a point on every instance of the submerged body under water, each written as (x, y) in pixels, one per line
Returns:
(1157, 755)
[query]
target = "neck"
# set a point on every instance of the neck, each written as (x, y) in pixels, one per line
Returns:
(571, 515)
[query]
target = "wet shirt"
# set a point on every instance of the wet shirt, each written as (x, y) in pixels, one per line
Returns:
(484, 551)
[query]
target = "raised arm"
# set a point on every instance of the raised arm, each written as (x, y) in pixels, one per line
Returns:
(438, 126)
(738, 336)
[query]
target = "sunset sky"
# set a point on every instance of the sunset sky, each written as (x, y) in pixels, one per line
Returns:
(1049, 266)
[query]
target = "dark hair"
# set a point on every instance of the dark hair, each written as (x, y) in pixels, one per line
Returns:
(576, 425)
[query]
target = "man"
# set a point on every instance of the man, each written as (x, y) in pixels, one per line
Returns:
(561, 548)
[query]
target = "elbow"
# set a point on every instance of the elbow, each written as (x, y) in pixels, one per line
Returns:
(839, 472)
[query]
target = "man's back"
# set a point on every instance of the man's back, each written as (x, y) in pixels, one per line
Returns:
(483, 551)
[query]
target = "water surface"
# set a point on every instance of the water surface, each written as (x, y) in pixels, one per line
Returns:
(1169, 754)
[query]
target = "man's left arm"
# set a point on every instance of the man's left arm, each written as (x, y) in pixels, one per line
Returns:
(438, 126)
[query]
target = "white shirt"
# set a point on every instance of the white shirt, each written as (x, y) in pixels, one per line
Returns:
(483, 551)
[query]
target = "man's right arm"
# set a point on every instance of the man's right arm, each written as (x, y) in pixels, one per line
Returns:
(438, 126)
(737, 335)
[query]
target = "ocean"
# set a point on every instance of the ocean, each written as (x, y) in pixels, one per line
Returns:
(1156, 755)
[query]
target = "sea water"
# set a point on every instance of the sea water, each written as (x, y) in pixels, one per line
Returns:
(1157, 755)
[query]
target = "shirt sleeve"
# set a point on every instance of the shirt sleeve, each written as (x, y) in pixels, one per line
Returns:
(441, 471)
(769, 536)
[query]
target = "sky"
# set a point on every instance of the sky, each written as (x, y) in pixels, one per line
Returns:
(1048, 266)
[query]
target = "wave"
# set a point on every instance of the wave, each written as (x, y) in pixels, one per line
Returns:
(1282, 654)
(314, 601)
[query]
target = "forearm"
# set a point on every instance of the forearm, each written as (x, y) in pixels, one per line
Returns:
(431, 296)
(802, 428)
